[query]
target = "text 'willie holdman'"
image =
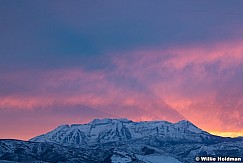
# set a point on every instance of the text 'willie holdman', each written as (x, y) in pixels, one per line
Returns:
(218, 159)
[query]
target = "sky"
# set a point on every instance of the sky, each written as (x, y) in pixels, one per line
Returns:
(65, 62)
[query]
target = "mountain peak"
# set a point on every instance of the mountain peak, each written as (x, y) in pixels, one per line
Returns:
(108, 130)
(109, 120)
(188, 125)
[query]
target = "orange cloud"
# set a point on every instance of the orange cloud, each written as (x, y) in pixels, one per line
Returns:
(194, 80)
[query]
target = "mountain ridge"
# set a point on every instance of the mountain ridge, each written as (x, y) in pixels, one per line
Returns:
(121, 141)
(109, 130)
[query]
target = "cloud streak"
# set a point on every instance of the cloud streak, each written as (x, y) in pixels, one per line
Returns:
(144, 61)
(199, 83)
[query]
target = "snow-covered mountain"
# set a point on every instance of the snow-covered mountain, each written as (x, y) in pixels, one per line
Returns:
(122, 130)
(121, 141)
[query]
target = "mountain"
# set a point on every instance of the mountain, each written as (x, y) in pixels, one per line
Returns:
(121, 141)
(100, 131)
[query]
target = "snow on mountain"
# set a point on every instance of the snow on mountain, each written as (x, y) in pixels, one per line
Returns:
(157, 159)
(117, 158)
(121, 141)
(113, 130)
(33, 152)
(127, 156)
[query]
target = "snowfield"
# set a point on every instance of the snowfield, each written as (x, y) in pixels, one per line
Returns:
(120, 141)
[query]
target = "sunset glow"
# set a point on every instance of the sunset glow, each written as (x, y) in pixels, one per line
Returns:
(71, 63)
(227, 134)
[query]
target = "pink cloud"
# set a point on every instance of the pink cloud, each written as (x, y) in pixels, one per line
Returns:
(192, 82)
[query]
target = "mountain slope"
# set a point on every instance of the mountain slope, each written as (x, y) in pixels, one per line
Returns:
(121, 141)
(122, 130)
